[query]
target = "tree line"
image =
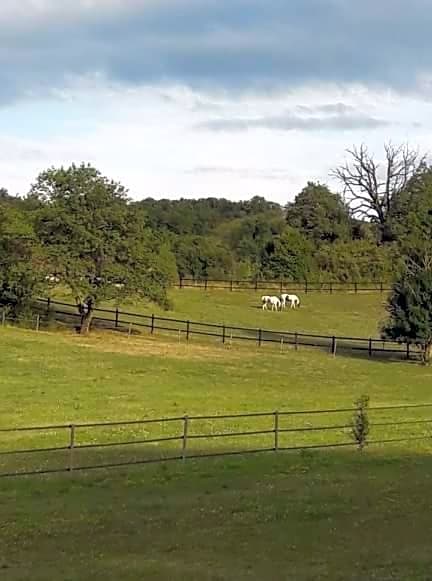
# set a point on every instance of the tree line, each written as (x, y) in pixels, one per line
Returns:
(81, 227)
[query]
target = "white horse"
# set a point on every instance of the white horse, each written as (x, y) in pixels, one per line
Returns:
(265, 299)
(293, 300)
(283, 300)
(275, 303)
(52, 278)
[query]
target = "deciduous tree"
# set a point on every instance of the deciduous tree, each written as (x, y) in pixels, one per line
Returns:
(98, 244)
(373, 188)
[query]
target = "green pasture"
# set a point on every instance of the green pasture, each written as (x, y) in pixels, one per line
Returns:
(338, 314)
(288, 515)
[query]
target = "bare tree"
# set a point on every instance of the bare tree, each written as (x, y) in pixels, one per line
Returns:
(372, 188)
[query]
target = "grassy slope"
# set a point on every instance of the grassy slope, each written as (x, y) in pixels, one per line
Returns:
(302, 517)
(47, 378)
(339, 314)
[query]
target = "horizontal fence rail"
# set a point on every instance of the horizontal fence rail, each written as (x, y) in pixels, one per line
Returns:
(86, 446)
(66, 315)
(282, 285)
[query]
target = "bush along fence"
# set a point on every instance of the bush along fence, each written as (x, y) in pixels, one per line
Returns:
(86, 446)
(281, 285)
(65, 314)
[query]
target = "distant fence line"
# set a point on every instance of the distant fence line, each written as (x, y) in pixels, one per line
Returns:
(128, 322)
(181, 438)
(283, 284)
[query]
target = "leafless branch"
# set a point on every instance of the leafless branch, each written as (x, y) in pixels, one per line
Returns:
(372, 188)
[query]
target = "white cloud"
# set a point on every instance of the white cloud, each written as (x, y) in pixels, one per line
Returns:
(147, 139)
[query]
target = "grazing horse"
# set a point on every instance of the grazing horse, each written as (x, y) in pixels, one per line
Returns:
(275, 303)
(293, 300)
(52, 278)
(265, 299)
(283, 300)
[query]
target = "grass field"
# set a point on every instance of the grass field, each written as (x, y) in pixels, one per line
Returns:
(322, 313)
(301, 516)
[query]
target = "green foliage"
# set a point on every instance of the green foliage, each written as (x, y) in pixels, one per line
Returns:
(360, 422)
(100, 245)
(248, 238)
(358, 260)
(167, 262)
(320, 214)
(202, 257)
(412, 214)
(289, 256)
(93, 232)
(201, 217)
(21, 261)
(410, 306)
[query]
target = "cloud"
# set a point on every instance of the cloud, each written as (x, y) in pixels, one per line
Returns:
(226, 45)
(146, 137)
(244, 173)
(292, 122)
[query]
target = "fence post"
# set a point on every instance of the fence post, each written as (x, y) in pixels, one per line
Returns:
(152, 324)
(276, 431)
(48, 305)
(187, 330)
(306, 286)
(71, 447)
(223, 333)
(116, 317)
(408, 351)
(334, 345)
(231, 284)
(3, 317)
(355, 288)
(281, 344)
(331, 288)
(37, 322)
(370, 347)
(185, 435)
(259, 337)
(180, 282)
(205, 283)
(381, 287)
(296, 341)
(130, 330)
(256, 284)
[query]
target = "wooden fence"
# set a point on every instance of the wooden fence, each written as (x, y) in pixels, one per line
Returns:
(186, 330)
(75, 447)
(281, 285)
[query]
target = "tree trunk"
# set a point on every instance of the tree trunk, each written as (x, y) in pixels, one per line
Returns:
(86, 320)
(85, 309)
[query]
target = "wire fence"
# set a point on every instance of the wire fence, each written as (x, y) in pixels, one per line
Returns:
(282, 284)
(56, 313)
(74, 447)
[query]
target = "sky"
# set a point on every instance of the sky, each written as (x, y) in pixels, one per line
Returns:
(199, 98)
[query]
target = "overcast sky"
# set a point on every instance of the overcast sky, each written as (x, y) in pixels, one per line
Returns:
(192, 98)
